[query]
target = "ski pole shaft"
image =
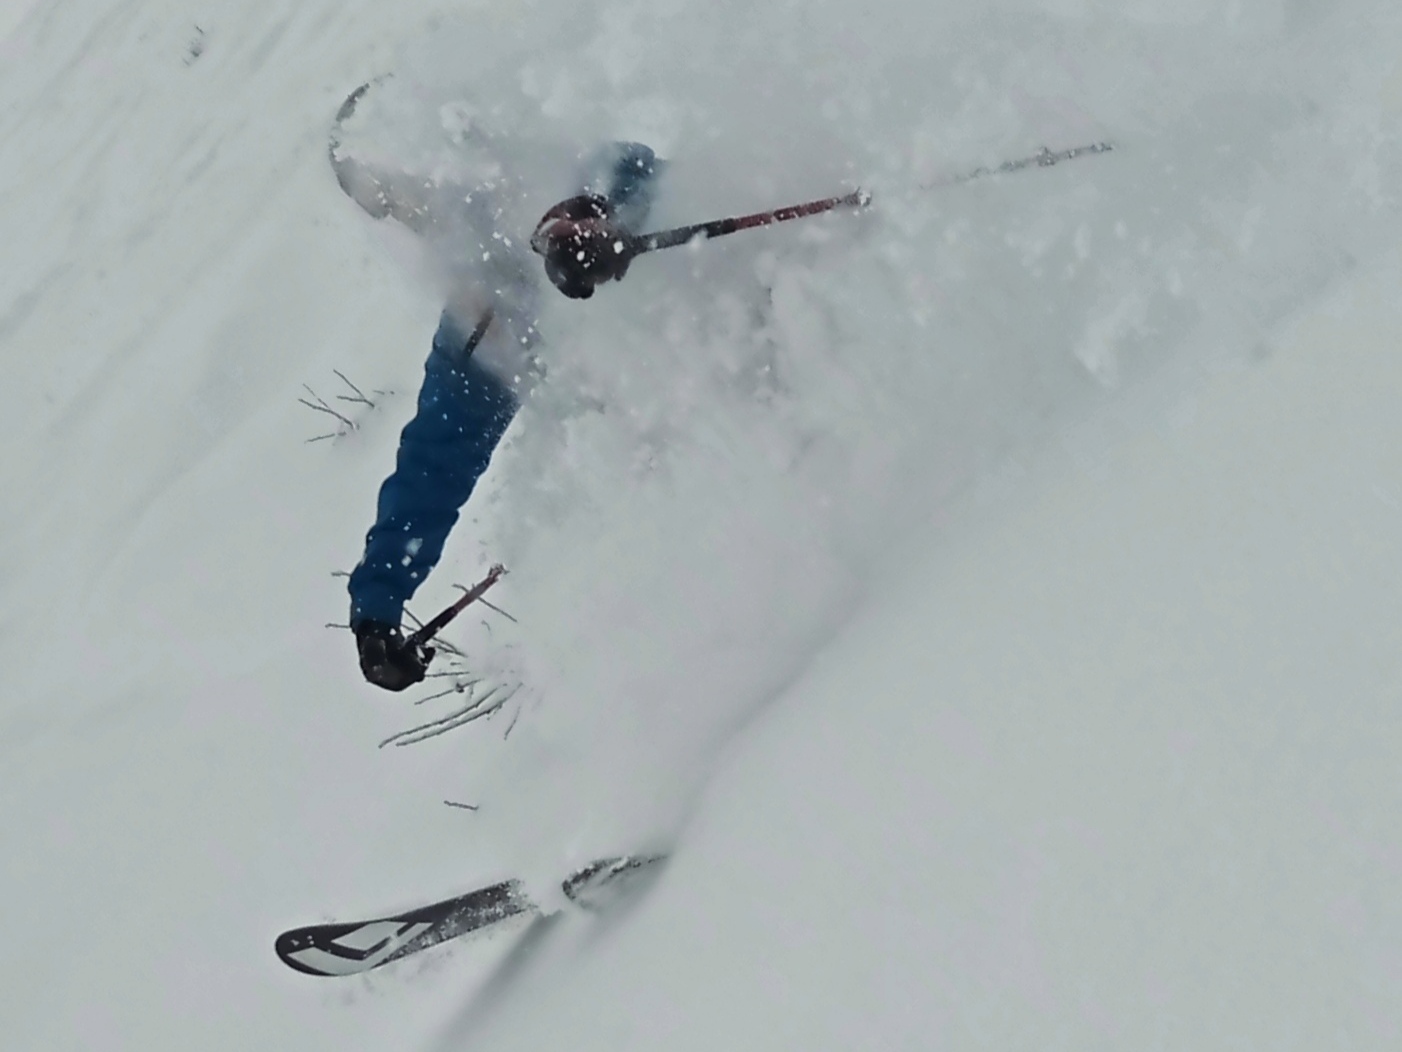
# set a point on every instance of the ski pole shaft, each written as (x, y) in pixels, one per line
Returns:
(478, 333)
(1043, 158)
(720, 227)
(433, 627)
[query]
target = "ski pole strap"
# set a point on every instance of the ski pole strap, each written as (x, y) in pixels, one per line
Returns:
(720, 227)
(433, 627)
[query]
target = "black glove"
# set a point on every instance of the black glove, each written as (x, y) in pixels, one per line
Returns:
(583, 246)
(387, 659)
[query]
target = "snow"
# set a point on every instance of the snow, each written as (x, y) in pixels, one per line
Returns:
(991, 596)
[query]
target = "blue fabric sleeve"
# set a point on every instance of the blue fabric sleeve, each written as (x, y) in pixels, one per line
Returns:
(463, 411)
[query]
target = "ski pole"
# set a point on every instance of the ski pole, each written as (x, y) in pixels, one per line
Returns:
(720, 227)
(478, 333)
(433, 627)
(583, 247)
(1043, 158)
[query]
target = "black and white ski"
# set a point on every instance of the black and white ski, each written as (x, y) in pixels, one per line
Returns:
(351, 948)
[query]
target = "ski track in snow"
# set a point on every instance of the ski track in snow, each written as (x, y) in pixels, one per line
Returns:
(993, 594)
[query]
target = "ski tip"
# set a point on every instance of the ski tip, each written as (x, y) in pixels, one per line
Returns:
(594, 886)
(351, 101)
(292, 947)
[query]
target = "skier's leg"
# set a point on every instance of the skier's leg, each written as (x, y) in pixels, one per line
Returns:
(463, 411)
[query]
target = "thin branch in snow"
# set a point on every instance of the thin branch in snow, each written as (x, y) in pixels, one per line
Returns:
(512, 725)
(456, 688)
(357, 397)
(321, 407)
(486, 705)
(333, 624)
(359, 394)
(460, 720)
(493, 606)
(465, 807)
(462, 686)
(488, 604)
(448, 648)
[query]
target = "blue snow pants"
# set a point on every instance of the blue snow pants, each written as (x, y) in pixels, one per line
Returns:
(462, 413)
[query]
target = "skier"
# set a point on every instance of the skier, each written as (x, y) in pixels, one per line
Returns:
(480, 364)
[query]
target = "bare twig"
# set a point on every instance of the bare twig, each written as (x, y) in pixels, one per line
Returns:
(512, 725)
(320, 404)
(359, 394)
(493, 606)
(449, 648)
(454, 689)
(486, 705)
(461, 687)
(321, 407)
(465, 807)
(488, 604)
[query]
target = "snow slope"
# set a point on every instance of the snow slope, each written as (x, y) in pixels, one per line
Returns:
(991, 596)
(1112, 765)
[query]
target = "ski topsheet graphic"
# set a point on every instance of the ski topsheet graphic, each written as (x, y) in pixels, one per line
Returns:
(350, 948)
(344, 949)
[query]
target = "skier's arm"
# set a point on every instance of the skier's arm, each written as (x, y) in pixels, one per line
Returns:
(383, 193)
(463, 410)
